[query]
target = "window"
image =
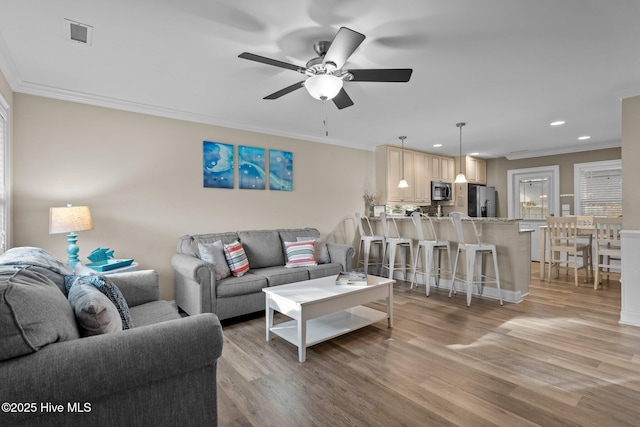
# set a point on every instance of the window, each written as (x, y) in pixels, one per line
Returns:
(598, 188)
(4, 167)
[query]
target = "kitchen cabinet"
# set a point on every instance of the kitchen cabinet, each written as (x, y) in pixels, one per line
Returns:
(389, 173)
(443, 168)
(418, 171)
(476, 170)
(422, 177)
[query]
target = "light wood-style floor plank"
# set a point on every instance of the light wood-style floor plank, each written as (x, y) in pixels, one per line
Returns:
(559, 358)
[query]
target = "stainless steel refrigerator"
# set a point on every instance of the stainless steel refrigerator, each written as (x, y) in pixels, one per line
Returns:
(482, 201)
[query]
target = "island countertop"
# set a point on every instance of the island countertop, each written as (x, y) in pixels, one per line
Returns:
(496, 220)
(513, 247)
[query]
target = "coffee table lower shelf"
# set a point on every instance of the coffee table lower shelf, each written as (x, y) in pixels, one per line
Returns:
(329, 326)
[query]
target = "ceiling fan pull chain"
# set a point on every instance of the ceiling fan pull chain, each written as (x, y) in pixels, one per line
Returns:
(326, 118)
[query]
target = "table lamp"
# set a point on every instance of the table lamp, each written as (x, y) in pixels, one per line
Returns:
(70, 219)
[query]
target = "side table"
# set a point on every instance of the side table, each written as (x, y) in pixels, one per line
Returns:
(131, 267)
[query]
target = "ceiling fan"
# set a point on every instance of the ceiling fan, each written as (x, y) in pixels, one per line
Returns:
(325, 76)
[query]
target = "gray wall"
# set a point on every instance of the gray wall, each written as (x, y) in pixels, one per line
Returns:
(497, 171)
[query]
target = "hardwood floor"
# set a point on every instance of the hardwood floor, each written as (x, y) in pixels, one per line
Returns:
(559, 358)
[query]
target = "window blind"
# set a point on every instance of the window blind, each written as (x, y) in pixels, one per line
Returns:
(4, 206)
(598, 188)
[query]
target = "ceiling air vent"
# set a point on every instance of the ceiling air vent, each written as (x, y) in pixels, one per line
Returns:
(77, 32)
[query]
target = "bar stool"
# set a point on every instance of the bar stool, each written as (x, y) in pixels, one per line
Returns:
(431, 256)
(473, 259)
(391, 246)
(368, 239)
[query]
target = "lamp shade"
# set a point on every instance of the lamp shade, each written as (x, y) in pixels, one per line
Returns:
(460, 179)
(323, 86)
(403, 183)
(69, 219)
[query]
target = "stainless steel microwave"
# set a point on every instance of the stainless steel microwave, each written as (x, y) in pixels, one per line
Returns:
(441, 190)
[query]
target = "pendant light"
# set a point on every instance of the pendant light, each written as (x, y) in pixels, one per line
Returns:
(460, 178)
(403, 182)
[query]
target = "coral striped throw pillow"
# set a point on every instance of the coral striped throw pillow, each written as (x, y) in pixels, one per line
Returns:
(236, 258)
(300, 254)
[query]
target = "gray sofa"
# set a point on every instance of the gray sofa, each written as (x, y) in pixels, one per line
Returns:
(161, 372)
(198, 291)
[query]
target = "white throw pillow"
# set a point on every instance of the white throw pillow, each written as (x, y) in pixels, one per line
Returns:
(213, 253)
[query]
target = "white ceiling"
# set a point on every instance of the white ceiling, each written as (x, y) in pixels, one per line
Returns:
(505, 67)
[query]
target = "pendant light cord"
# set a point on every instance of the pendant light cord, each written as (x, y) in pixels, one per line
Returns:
(402, 138)
(460, 179)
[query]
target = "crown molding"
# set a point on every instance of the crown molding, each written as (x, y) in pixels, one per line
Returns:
(562, 150)
(121, 104)
(628, 92)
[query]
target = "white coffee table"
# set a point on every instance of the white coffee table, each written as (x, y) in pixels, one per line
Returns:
(322, 310)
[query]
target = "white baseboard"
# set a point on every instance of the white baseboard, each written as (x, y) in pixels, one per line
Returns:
(488, 291)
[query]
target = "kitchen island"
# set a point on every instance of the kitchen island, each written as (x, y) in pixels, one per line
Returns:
(513, 246)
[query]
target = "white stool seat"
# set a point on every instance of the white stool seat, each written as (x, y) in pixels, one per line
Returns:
(473, 253)
(430, 249)
(391, 246)
(367, 240)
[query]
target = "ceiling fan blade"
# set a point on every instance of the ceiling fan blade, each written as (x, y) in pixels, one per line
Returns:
(343, 45)
(382, 75)
(286, 90)
(342, 100)
(269, 61)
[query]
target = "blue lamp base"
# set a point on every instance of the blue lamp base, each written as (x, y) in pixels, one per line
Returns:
(72, 250)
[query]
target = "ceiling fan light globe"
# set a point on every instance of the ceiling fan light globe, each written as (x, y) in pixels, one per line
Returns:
(323, 86)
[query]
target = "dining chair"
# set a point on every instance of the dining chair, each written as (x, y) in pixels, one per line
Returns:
(368, 240)
(585, 236)
(430, 249)
(607, 245)
(473, 255)
(563, 239)
(394, 245)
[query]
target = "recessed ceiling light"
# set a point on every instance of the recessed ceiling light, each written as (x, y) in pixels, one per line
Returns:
(557, 123)
(437, 145)
(584, 138)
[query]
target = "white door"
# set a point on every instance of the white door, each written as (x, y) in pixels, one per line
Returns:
(534, 194)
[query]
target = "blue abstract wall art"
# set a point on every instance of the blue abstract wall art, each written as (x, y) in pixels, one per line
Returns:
(280, 170)
(217, 162)
(251, 172)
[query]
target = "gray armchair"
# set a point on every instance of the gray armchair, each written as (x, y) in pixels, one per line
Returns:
(161, 372)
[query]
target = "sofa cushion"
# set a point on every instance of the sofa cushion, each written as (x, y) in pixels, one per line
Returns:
(234, 286)
(33, 313)
(300, 254)
(321, 249)
(95, 313)
(323, 270)
(281, 275)
(108, 289)
(236, 258)
(153, 312)
(292, 234)
(213, 253)
(263, 247)
(188, 245)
